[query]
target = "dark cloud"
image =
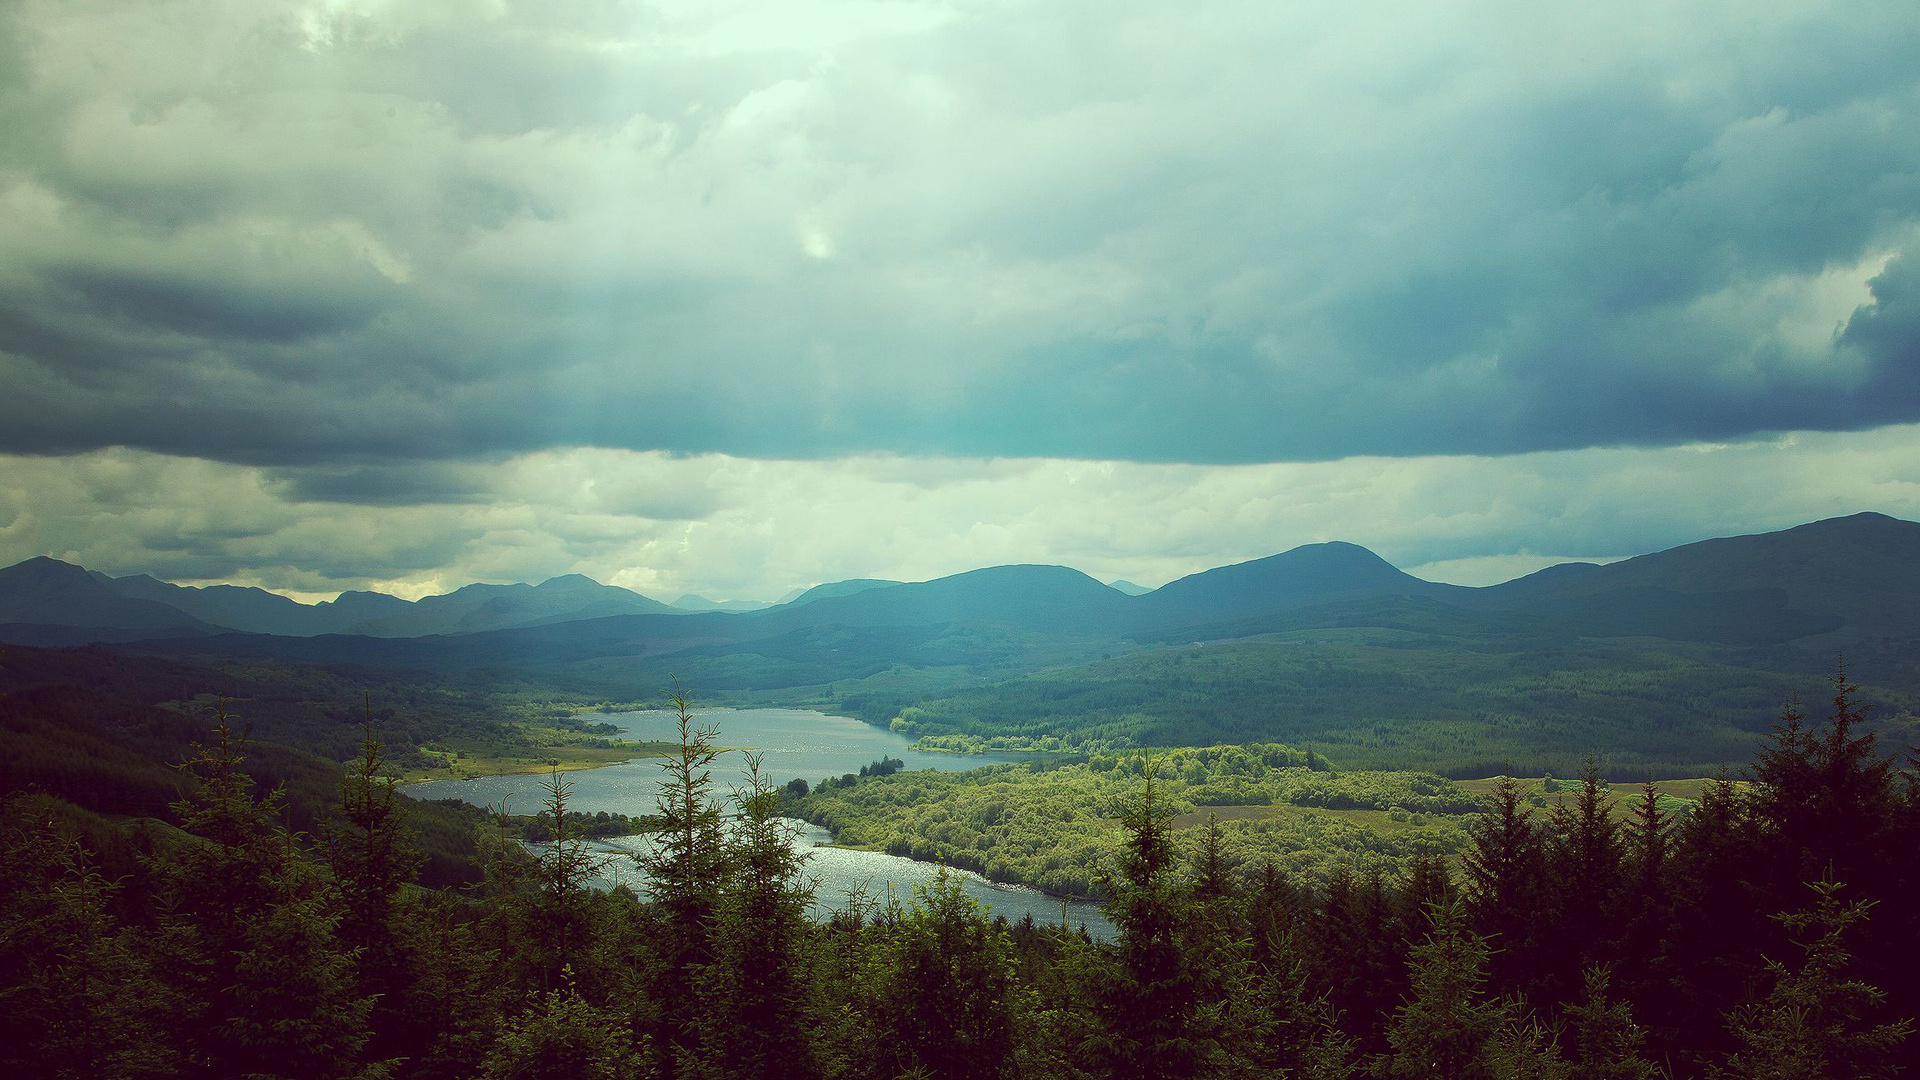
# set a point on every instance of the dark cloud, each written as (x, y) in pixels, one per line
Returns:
(315, 238)
(404, 484)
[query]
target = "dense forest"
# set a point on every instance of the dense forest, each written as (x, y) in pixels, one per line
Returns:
(1770, 932)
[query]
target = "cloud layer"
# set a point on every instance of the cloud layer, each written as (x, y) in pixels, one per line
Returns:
(336, 237)
(729, 527)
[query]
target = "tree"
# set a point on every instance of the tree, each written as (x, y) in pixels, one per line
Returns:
(1606, 1040)
(1826, 805)
(1815, 1022)
(370, 851)
(949, 1006)
(685, 872)
(559, 920)
(81, 996)
(1581, 919)
(258, 945)
(562, 1036)
(756, 985)
(1827, 796)
(1502, 870)
(1154, 1021)
(1446, 1027)
(372, 856)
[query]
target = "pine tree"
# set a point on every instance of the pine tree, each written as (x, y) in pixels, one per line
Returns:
(755, 988)
(1826, 806)
(1815, 1022)
(1503, 881)
(1154, 1023)
(1446, 1027)
(563, 1036)
(276, 987)
(685, 873)
(372, 855)
(949, 1005)
(370, 851)
(559, 919)
(1581, 913)
(1606, 1040)
(81, 995)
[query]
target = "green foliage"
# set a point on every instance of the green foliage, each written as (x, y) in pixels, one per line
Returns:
(1606, 1041)
(1816, 1022)
(562, 1036)
(1048, 824)
(949, 1007)
(757, 1022)
(1156, 1021)
(82, 997)
(1377, 697)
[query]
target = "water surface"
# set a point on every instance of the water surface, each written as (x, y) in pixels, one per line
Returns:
(793, 744)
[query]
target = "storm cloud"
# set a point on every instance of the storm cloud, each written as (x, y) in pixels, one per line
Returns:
(282, 234)
(736, 297)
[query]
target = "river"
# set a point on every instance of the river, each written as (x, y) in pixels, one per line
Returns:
(793, 744)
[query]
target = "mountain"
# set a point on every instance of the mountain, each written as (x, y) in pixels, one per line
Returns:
(496, 607)
(355, 608)
(1311, 573)
(46, 592)
(1835, 582)
(838, 588)
(1052, 599)
(1128, 587)
(255, 611)
(1841, 583)
(696, 602)
(42, 593)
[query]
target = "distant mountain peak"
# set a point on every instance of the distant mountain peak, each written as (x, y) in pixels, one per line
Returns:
(829, 589)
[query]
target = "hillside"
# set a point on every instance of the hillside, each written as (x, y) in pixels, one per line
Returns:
(1660, 661)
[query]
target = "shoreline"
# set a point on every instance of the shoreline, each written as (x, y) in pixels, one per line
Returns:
(473, 769)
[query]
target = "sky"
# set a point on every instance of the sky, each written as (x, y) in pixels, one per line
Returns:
(737, 297)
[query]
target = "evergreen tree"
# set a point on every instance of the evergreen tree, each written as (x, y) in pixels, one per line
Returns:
(1356, 947)
(370, 851)
(276, 988)
(1503, 870)
(1606, 1040)
(372, 856)
(1826, 806)
(81, 996)
(685, 872)
(1447, 1027)
(1154, 1023)
(756, 985)
(1816, 1023)
(1581, 911)
(559, 920)
(562, 1036)
(949, 1008)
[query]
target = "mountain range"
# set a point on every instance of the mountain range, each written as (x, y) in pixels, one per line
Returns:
(1671, 662)
(1829, 583)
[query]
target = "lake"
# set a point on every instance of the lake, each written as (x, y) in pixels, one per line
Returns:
(793, 744)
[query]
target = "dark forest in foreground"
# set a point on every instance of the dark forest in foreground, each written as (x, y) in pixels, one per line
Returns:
(1771, 932)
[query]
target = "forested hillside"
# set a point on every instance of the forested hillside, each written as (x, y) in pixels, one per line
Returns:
(1772, 931)
(1662, 663)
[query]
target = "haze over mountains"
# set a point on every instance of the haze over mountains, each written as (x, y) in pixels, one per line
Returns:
(1833, 581)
